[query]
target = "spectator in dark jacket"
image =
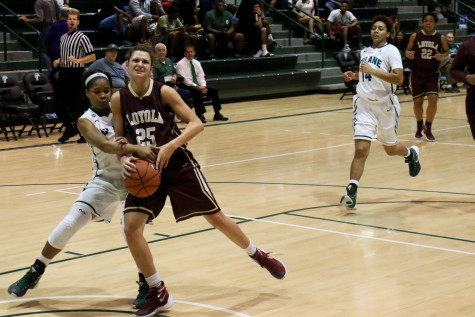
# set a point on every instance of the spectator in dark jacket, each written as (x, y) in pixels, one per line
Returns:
(54, 36)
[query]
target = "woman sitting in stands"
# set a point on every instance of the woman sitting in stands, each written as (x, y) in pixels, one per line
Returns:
(305, 10)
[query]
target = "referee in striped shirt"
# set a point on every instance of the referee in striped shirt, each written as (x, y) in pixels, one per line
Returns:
(69, 100)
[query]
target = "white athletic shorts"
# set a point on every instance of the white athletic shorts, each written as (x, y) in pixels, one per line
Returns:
(151, 26)
(103, 198)
(376, 119)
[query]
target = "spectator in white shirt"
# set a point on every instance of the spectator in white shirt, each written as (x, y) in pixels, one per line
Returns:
(341, 23)
(194, 81)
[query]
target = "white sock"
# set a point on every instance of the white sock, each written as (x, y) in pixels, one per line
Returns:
(264, 49)
(43, 259)
(449, 86)
(270, 37)
(408, 153)
(251, 249)
(154, 280)
(354, 181)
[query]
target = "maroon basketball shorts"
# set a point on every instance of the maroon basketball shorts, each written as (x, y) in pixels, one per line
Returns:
(470, 110)
(188, 190)
(424, 82)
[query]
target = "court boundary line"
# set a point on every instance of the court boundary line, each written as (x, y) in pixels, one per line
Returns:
(218, 308)
(357, 235)
(243, 220)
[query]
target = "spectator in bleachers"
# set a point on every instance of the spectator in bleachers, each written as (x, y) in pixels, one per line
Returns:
(188, 12)
(194, 81)
(255, 28)
(62, 4)
(54, 36)
(438, 13)
(446, 63)
(308, 7)
(46, 12)
(395, 29)
(400, 41)
(164, 71)
(112, 16)
(205, 6)
(220, 28)
(171, 31)
(341, 23)
(108, 64)
(157, 7)
(333, 4)
(142, 19)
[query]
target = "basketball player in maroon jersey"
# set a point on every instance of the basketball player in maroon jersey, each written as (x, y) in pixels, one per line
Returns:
(425, 50)
(143, 110)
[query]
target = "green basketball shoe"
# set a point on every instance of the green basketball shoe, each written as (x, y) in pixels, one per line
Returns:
(28, 281)
(140, 301)
(413, 161)
(349, 200)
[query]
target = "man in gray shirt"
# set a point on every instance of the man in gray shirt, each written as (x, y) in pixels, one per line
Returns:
(46, 13)
(108, 64)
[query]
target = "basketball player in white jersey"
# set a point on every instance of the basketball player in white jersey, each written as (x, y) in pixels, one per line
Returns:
(103, 194)
(376, 107)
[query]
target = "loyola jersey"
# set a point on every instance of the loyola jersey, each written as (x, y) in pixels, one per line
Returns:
(148, 121)
(106, 166)
(425, 47)
(385, 58)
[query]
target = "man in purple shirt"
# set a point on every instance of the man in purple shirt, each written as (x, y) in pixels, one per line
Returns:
(54, 35)
(466, 57)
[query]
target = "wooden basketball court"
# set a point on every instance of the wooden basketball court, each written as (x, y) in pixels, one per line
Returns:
(279, 168)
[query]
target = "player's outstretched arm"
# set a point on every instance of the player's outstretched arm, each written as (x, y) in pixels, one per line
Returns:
(121, 146)
(194, 125)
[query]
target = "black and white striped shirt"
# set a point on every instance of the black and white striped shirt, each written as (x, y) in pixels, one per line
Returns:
(75, 44)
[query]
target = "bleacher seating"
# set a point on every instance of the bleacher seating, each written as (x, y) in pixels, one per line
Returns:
(296, 68)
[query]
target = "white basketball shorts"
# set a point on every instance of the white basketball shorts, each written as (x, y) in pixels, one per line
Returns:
(103, 198)
(376, 120)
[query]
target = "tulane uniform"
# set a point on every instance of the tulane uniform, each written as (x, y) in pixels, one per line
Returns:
(375, 106)
(149, 122)
(106, 190)
(424, 66)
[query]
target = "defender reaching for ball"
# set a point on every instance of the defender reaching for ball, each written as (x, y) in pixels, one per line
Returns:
(376, 107)
(102, 195)
(141, 108)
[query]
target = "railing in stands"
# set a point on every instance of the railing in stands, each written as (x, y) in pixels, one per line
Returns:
(6, 10)
(288, 17)
(461, 12)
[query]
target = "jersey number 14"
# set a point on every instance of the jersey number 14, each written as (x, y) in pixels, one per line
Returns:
(367, 77)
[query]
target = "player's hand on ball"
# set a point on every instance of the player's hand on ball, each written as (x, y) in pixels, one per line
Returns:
(128, 165)
(147, 152)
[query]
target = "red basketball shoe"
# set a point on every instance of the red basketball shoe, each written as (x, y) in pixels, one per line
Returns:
(418, 135)
(428, 133)
(275, 267)
(158, 300)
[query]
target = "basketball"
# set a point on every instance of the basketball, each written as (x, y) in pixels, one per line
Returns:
(145, 181)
